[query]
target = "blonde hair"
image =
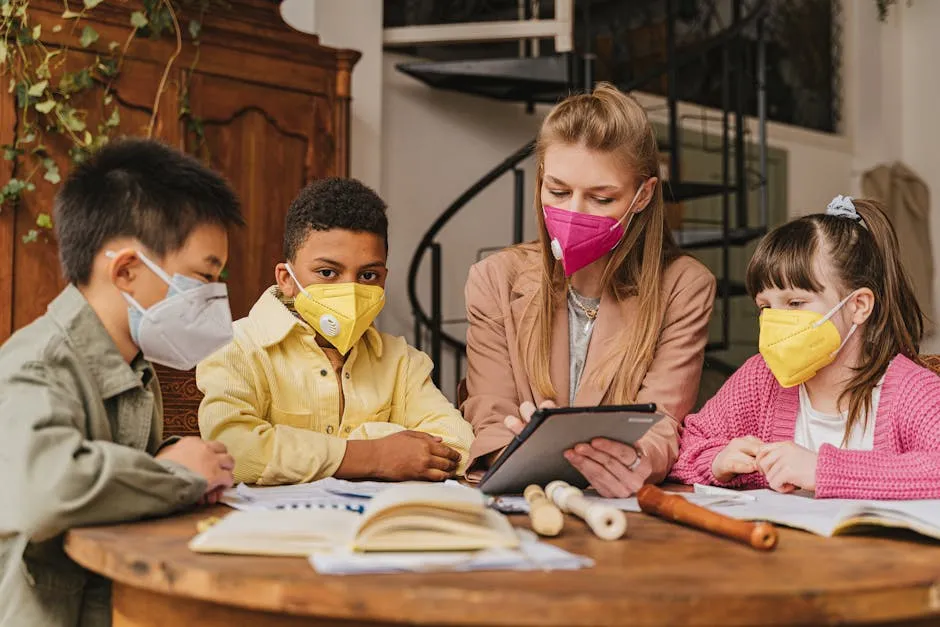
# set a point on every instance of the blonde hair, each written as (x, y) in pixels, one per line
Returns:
(862, 254)
(610, 122)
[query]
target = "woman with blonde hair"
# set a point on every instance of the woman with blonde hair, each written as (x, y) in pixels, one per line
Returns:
(603, 309)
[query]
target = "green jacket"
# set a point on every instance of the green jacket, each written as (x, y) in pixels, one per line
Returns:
(80, 427)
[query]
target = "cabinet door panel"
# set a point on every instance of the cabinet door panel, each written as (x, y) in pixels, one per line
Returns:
(260, 139)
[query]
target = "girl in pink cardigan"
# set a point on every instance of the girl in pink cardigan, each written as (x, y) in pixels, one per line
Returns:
(835, 402)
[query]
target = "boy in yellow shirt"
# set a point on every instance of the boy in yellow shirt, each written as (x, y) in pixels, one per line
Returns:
(309, 388)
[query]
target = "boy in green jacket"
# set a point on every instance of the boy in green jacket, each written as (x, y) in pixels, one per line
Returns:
(142, 239)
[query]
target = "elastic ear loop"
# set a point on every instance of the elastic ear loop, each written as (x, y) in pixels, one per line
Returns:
(629, 211)
(833, 312)
(290, 271)
(110, 254)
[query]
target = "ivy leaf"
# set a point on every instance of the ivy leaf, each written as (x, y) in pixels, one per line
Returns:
(46, 106)
(108, 67)
(22, 98)
(13, 188)
(44, 221)
(89, 36)
(72, 82)
(31, 237)
(70, 15)
(10, 153)
(114, 45)
(114, 120)
(6, 10)
(108, 98)
(71, 120)
(4, 51)
(52, 173)
(88, 138)
(37, 89)
(195, 27)
(57, 28)
(12, 86)
(37, 31)
(91, 4)
(139, 20)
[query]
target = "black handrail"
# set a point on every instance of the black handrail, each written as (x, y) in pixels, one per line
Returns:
(425, 244)
(692, 53)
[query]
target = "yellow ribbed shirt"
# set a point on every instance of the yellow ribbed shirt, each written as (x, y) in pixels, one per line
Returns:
(273, 398)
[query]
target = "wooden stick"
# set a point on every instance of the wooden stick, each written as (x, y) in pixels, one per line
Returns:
(547, 520)
(654, 501)
(607, 523)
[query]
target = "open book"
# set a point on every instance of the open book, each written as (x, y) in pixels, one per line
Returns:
(831, 517)
(407, 517)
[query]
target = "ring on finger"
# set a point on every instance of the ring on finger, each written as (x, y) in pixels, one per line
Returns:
(636, 462)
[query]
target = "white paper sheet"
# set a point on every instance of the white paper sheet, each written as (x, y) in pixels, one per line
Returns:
(531, 555)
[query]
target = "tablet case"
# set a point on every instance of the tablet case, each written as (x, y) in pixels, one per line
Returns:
(537, 454)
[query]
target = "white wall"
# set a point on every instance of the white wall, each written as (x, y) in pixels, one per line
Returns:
(435, 144)
(918, 113)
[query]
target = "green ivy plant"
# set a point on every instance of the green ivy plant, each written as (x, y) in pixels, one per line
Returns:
(48, 108)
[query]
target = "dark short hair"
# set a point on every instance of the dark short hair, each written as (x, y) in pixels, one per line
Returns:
(137, 188)
(334, 203)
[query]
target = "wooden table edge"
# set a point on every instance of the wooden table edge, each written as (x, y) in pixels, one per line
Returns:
(905, 601)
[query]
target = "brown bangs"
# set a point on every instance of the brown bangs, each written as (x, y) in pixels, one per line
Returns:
(785, 259)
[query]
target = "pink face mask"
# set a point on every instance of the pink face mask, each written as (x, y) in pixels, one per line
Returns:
(580, 239)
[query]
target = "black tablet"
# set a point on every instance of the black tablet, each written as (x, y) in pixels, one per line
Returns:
(537, 454)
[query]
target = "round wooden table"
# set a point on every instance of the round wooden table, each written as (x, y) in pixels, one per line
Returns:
(660, 574)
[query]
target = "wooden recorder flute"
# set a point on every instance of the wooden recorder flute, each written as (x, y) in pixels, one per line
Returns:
(762, 536)
(547, 520)
(607, 523)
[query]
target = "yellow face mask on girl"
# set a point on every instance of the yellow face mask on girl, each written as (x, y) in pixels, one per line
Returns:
(340, 312)
(796, 344)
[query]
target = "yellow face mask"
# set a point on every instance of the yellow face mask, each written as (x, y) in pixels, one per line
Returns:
(340, 312)
(796, 344)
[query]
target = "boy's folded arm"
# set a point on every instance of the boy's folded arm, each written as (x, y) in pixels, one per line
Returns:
(56, 479)
(232, 412)
(420, 406)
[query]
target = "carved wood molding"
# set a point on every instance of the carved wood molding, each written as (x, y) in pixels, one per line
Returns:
(254, 27)
(181, 400)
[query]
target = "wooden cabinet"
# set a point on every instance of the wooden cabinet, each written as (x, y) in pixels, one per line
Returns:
(275, 108)
(274, 105)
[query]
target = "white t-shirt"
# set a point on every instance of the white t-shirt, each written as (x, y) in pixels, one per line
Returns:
(813, 428)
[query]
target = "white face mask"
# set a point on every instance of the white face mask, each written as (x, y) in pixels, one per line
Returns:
(191, 323)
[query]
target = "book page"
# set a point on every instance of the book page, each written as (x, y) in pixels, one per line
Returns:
(827, 517)
(279, 532)
(441, 497)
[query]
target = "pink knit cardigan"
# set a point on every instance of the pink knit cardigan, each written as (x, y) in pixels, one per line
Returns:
(903, 464)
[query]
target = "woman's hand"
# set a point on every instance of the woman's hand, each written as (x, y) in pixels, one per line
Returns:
(517, 423)
(615, 470)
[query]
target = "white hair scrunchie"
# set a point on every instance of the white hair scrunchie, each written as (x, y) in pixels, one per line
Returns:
(843, 207)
